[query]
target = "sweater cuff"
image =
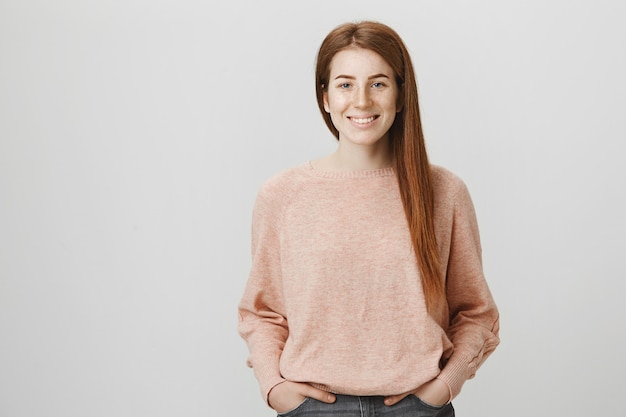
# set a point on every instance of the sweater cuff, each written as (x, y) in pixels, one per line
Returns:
(458, 370)
(268, 374)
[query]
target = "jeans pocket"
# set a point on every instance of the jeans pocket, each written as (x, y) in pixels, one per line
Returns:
(428, 405)
(429, 410)
(294, 411)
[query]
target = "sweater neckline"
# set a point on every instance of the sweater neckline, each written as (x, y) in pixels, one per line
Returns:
(365, 173)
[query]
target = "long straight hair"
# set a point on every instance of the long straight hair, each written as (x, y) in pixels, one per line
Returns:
(406, 140)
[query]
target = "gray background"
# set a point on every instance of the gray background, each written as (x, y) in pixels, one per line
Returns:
(134, 135)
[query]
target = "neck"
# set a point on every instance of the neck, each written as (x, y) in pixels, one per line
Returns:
(351, 157)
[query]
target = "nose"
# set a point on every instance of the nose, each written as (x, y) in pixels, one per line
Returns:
(362, 98)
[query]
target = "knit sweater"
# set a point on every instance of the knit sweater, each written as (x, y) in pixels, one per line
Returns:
(334, 296)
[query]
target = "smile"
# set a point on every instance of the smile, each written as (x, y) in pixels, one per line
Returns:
(363, 120)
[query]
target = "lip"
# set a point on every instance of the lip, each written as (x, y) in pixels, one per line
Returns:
(363, 120)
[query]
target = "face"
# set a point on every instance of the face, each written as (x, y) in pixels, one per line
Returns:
(362, 97)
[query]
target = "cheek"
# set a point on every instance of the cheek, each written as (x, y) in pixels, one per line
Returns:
(394, 104)
(334, 102)
(337, 103)
(399, 100)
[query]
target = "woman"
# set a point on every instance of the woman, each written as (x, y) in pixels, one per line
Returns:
(366, 292)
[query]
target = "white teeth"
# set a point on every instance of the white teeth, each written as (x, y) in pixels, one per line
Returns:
(367, 120)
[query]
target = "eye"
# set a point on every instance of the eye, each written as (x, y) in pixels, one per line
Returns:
(378, 84)
(345, 85)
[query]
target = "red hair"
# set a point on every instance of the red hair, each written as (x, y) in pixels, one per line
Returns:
(406, 140)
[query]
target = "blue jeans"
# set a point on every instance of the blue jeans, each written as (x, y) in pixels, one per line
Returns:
(349, 406)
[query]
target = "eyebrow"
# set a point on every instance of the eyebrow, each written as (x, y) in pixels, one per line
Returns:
(371, 77)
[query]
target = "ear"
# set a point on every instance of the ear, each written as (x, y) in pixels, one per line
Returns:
(325, 99)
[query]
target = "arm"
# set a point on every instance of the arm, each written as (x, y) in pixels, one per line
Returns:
(262, 321)
(262, 314)
(474, 318)
(472, 322)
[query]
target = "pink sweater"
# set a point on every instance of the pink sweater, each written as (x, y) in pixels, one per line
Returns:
(334, 296)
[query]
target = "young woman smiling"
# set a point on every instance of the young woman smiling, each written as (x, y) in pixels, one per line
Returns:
(366, 295)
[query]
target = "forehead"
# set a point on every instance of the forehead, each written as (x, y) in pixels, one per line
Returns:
(358, 61)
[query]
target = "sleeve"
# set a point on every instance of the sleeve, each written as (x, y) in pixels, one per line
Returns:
(262, 321)
(474, 317)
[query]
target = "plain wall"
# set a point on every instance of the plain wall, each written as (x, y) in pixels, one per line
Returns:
(134, 135)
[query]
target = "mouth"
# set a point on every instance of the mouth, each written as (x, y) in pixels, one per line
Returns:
(363, 120)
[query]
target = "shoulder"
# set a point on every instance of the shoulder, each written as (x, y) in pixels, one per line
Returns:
(451, 192)
(282, 183)
(277, 191)
(446, 181)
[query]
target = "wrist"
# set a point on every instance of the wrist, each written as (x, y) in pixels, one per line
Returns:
(445, 385)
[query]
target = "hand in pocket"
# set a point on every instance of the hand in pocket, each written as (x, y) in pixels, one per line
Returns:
(289, 395)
